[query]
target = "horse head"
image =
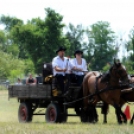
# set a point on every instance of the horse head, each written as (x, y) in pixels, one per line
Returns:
(119, 71)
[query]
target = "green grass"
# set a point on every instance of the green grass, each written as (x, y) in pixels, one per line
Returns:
(9, 122)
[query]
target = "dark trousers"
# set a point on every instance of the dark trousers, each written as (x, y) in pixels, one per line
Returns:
(79, 79)
(63, 82)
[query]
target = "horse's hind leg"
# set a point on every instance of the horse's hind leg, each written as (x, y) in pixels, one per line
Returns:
(92, 114)
(83, 115)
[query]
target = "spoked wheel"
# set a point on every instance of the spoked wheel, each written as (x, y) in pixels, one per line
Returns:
(52, 113)
(25, 112)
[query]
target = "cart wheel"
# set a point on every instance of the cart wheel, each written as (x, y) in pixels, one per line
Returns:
(25, 112)
(53, 113)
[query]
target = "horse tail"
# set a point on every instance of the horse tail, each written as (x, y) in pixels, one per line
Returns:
(85, 91)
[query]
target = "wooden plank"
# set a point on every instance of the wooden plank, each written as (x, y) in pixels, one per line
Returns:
(29, 91)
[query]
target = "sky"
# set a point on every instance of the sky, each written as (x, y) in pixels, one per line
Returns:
(119, 13)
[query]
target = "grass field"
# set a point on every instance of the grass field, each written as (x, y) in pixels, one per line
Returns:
(9, 122)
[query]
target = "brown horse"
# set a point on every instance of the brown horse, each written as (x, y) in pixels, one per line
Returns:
(108, 92)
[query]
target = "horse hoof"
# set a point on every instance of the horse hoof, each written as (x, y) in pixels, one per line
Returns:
(120, 122)
(131, 122)
(125, 121)
(92, 122)
(105, 122)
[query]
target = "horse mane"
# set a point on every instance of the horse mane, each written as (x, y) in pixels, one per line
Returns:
(105, 77)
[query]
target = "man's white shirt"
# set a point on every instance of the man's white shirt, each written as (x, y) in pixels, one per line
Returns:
(57, 61)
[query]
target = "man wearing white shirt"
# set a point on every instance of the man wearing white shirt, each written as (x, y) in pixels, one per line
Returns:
(60, 67)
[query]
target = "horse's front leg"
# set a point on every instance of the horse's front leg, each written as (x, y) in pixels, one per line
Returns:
(104, 111)
(124, 117)
(118, 113)
(104, 118)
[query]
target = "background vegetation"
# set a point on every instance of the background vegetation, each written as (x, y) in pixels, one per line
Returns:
(24, 47)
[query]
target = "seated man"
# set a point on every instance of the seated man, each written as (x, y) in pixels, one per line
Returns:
(60, 68)
(31, 80)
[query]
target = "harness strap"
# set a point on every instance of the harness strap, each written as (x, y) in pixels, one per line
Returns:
(96, 86)
(97, 92)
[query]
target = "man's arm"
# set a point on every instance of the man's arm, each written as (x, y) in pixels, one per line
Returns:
(58, 69)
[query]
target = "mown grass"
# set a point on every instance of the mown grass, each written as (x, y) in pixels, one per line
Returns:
(9, 122)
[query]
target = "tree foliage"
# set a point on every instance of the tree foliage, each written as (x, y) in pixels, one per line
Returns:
(9, 63)
(28, 46)
(75, 37)
(3, 40)
(100, 48)
(10, 22)
(40, 38)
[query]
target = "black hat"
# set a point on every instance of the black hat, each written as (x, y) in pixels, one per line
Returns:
(61, 48)
(78, 52)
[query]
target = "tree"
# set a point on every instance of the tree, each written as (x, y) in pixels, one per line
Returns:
(40, 38)
(101, 51)
(3, 40)
(131, 46)
(75, 37)
(8, 63)
(9, 46)
(10, 22)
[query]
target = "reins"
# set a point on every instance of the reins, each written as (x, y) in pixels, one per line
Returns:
(91, 95)
(98, 92)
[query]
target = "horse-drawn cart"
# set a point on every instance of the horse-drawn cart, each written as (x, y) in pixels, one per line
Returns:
(32, 97)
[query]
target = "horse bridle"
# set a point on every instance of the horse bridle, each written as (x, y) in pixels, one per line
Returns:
(119, 72)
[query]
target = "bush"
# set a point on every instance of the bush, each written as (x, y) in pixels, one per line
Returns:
(2, 87)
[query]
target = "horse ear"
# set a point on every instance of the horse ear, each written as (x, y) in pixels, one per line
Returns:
(117, 63)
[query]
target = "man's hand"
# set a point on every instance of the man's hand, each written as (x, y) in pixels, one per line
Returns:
(64, 70)
(60, 70)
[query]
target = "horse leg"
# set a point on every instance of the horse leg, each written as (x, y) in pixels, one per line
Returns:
(104, 111)
(124, 116)
(83, 116)
(104, 118)
(92, 114)
(95, 115)
(84, 111)
(117, 111)
(131, 122)
(121, 115)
